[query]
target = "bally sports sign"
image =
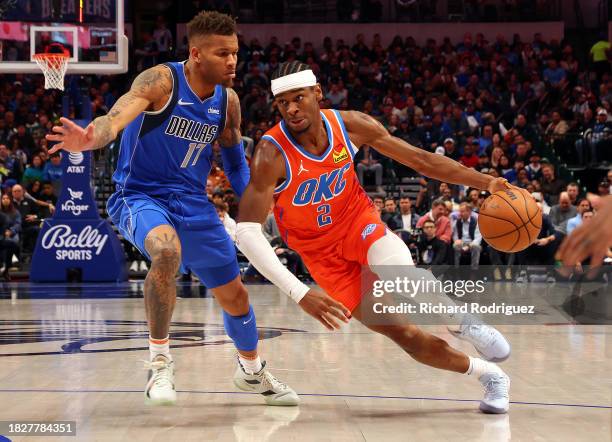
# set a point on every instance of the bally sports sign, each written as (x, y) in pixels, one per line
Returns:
(83, 245)
(76, 237)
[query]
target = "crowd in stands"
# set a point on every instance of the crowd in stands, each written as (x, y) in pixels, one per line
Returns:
(496, 106)
(265, 11)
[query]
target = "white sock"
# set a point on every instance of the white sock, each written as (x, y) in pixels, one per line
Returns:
(250, 366)
(478, 367)
(159, 347)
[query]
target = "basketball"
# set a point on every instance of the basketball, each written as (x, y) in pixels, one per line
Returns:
(510, 220)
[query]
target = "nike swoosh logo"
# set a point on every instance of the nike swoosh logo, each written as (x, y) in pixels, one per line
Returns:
(183, 103)
(247, 321)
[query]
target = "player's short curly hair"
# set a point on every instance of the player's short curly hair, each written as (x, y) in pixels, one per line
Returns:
(211, 23)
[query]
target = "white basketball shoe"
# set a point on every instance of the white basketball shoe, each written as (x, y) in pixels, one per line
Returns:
(487, 341)
(262, 382)
(496, 399)
(160, 388)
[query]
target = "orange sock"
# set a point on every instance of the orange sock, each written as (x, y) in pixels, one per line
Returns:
(159, 347)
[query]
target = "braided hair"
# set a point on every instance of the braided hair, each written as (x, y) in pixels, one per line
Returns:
(289, 67)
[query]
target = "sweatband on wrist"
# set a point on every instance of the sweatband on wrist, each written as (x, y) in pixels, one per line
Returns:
(235, 167)
(251, 241)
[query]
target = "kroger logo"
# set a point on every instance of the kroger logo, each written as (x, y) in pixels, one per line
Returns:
(75, 158)
(75, 195)
(75, 209)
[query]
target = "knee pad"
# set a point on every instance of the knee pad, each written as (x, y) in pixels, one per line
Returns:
(242, 329)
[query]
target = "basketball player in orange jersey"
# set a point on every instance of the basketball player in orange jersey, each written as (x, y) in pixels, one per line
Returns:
(305, 164)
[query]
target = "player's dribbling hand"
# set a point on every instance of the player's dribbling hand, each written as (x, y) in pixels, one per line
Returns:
(71, 137)
(497, 184)
(325, 309)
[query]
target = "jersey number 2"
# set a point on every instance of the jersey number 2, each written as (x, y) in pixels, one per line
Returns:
(192, 148)
(324, 219)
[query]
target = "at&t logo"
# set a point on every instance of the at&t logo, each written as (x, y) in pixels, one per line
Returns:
(75, 159)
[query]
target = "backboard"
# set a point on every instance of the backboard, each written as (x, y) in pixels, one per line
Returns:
(91, 30)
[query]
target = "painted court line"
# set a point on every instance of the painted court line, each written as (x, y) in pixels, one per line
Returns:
(354, 396)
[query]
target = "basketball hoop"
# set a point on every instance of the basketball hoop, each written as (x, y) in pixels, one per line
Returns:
(54, 67)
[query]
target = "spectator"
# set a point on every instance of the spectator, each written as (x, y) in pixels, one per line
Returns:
(534, 168)
(557, 128)
(543, 250)
(209, 189)
(10, 166)
(30, 221)
(554, 74)
(551, 185)
(389, 214)
(148, 52)
(466, 236)
(562, 212)
(255, 78)
(432, 250)
(336, 95)
(450, 149)
(26, 142)
(596, 147)
(486, 140)
(458, 125)
(228, 223)
(496, 155)
(469, 157)
(405, 219)
(583, 206)
(53, 169)
(367, 160)
(522, 128)
(163, 39)
(11, 220)
(34, 172)
(603, 189)
(34, 189)
(600, 56)
(47, 199)
(573, 193)
(472, 198)
(428, 135)
(436, 214)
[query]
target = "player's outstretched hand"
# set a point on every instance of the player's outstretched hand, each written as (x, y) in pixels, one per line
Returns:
(325, 309)
(592, 240)
(71, 137)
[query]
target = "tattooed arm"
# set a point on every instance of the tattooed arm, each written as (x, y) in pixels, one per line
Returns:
(150, 91)
(232, 150)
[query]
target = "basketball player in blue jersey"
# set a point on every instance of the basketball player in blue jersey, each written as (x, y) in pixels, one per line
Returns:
(171, 115)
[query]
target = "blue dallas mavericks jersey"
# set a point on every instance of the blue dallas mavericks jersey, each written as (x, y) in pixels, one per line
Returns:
(169, 151)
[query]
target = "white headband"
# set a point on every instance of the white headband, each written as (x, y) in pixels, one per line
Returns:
(293, 81)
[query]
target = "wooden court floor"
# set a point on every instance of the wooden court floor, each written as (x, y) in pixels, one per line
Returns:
(79, 358)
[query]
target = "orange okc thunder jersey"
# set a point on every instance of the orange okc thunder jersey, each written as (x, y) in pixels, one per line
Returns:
(321, 195)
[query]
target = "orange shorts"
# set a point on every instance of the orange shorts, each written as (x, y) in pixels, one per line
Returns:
(337, 262)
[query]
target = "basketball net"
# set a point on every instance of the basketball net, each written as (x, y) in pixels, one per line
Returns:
(54, 68)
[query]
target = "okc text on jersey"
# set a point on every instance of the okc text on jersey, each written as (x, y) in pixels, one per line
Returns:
(322, 188)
